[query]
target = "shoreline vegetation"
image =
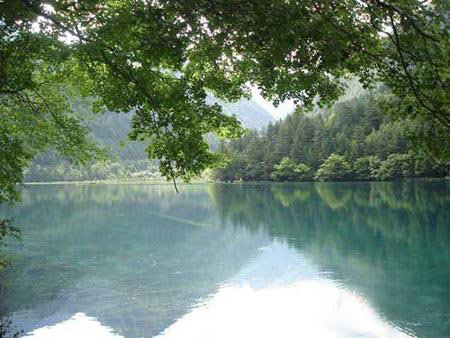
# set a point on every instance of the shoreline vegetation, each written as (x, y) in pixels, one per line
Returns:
(369, 80)
(352, 141)
(208, 181)
(124, 181)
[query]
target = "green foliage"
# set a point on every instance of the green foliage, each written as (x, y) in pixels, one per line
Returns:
(110, 131)
(424, 166)
(366, 168)
(303, 172)
(390, 138)
(355, 129)
(160, 59)
(335, 168)
(37, 89)
(288, 170)
(13, 158)
(396, 166)
(285, 170)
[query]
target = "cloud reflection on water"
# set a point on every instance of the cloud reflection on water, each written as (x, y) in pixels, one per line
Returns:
(278, 294)
(294, 301)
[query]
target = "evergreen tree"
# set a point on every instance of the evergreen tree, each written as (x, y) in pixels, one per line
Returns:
(366, 145)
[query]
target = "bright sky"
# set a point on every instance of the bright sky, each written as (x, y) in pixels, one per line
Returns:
(278, 112)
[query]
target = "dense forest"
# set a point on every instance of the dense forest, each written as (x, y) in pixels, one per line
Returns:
(352, 141)
(127, 159)
(162, 59)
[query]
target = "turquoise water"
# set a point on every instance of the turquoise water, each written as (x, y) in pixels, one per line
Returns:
(267, 260)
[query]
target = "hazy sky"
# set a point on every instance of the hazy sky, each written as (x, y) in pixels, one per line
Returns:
(278, 112)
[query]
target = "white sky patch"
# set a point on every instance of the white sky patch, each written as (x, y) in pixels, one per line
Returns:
(279, 112)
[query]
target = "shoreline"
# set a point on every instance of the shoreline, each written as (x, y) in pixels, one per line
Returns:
(164, 182)
(101, 182)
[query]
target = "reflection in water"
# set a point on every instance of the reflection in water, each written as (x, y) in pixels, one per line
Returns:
(388, 241)
(326, 260)
(295, 300)
(77, 326)
(135, 263)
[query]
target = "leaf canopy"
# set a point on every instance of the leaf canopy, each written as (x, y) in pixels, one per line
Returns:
(161, 58)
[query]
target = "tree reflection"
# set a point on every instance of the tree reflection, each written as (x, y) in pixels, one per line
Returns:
(135, 257)
(390, 241)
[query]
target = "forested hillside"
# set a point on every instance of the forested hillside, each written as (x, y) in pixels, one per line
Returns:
(352, 141)
(128, 158)
(162, 58)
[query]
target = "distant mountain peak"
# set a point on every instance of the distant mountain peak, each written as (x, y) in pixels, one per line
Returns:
(251, 114)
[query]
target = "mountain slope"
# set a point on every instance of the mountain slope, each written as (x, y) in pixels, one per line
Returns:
(251, 114)
(112, 129)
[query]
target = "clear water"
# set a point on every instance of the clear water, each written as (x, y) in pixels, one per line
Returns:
(298, 260)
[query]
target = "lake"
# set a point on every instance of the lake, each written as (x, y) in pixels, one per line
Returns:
(218, 260)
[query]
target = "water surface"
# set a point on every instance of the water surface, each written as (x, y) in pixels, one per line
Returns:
(267, 260)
